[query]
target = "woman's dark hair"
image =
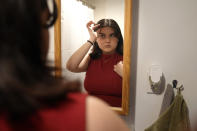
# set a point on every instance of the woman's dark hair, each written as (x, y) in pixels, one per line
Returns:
(96, 53)
(26, 81)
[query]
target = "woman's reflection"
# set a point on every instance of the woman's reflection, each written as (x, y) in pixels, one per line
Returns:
(103, 65)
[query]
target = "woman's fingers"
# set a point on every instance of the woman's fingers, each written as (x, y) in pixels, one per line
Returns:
(88, 25)
(118, 68)
(95, 26)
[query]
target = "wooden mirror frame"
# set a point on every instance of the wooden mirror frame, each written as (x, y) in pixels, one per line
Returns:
(124, 109)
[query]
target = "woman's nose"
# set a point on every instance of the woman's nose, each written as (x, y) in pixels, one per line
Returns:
(107, 39)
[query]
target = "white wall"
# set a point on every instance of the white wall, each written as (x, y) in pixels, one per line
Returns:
(165, 33)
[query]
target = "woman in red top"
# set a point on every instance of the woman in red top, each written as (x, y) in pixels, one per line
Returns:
(31, 98)
(103, 65)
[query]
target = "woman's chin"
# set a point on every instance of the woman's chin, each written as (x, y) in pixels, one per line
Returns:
(108, 52)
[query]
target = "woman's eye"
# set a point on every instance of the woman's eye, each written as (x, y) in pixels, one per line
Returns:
(112, 35)
(102, 36)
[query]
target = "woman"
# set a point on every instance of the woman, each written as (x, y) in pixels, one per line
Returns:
(103, 66)
(31, 98)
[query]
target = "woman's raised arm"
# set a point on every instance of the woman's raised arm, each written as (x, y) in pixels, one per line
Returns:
(79, 61)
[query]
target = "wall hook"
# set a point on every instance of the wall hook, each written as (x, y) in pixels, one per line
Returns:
(174, 83)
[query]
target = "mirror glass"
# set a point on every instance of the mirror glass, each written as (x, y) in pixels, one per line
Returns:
(70, 33)
(74, 17)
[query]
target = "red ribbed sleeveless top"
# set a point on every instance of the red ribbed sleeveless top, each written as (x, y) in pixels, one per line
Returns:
(67, 116)
(102, 81)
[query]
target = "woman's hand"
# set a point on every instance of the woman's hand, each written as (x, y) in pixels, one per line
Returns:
(91, 30)
(118, 68)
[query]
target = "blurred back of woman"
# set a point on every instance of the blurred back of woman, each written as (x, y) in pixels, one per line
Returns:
(31, 98)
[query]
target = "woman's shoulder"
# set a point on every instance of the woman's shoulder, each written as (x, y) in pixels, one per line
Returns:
(82, 112)
(100, 117)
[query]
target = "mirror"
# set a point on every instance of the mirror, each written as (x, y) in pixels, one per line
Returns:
(58, 48)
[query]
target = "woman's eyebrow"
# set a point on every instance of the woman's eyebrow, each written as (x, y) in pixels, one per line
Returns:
(112, 33)
(104, 33)
(100, 33)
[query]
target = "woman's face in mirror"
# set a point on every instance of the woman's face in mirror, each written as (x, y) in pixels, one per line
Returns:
(107, 40)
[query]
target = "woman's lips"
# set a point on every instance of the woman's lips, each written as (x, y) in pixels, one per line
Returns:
(107, 46)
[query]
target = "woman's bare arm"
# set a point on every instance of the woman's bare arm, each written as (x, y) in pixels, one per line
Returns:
(79, 61)
(99, 117)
